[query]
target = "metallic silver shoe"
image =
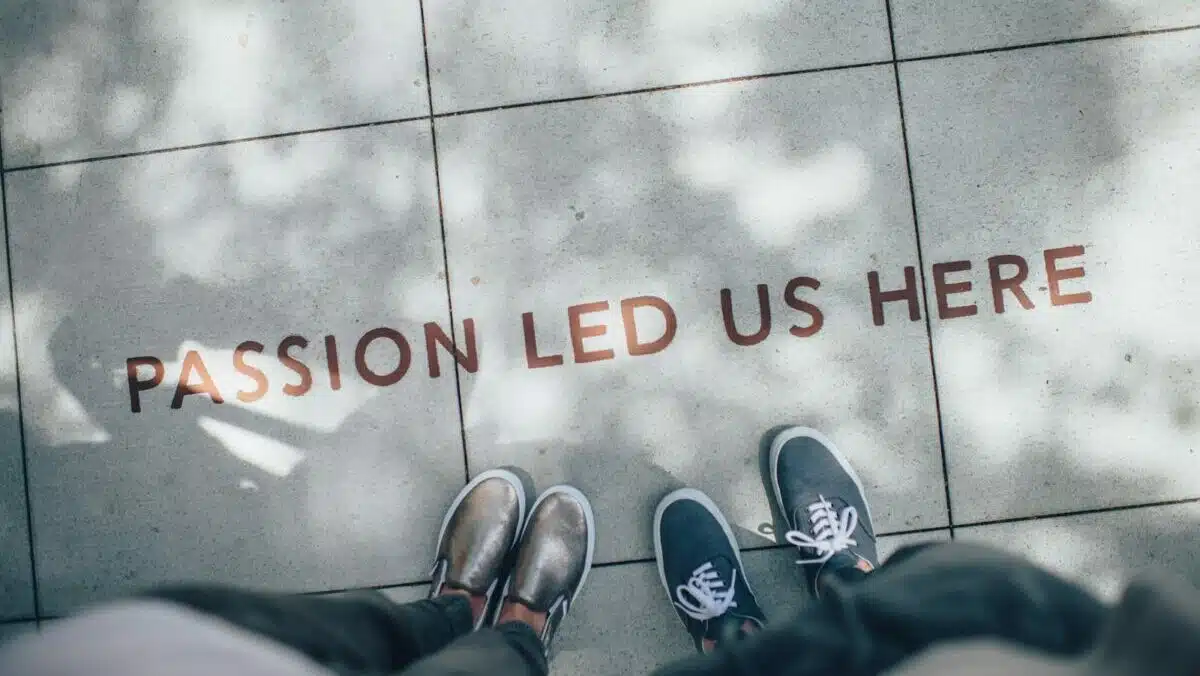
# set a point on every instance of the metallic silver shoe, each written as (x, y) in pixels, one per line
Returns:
(554, 557)
(479, 531)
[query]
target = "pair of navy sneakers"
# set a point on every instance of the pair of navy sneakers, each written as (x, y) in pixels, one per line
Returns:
(822, 501)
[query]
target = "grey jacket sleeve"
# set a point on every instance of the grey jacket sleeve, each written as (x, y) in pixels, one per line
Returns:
(148, 638)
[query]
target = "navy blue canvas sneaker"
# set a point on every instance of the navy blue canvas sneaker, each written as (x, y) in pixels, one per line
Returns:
(701, 569)
(822, 499)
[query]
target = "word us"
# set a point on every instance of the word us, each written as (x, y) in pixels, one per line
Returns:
(1006, 278)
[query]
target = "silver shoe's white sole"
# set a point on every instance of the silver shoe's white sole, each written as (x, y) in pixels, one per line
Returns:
(707, 503)
(787, 435)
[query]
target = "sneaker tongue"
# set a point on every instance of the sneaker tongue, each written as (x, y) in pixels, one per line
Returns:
(726, 629)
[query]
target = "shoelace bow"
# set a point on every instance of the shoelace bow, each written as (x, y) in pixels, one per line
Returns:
(705, 595)
(832, 532)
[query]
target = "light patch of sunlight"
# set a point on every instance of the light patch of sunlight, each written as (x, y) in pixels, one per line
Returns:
(702, 108)
(691, 16)
(67, 177)
(856, 437)
(692, 354)
(393, 176)
(548, 233)
(423, 297)
(221, 48)
(828, 381)
(466, 174)
(49, 112)
(321, 409)
(777, 199)
(750, 514)
(696, 363)
(523, 405)
(661, 424)
(270, 455)
(126, 110)
(197, 250)
(1140, 266)
(157, 179)
(777, 203)
(1140, 255)
(74, 425)
(1004, 410)
(1143, 423)
(276, 175)
(8, 364)
(1069, 547)
(700, 38)
(248, 485)
(710, 162)
(62, 418)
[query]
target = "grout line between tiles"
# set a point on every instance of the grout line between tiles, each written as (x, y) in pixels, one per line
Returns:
(214, 144)
(912, 196)
(776, 546)
(609, 564)
(12, 310)
(18, 620)
(437, 178)
(605, 95)
(1048, 43)
(1079, 512)
(377, 587)
(664, 88)
(912, 531)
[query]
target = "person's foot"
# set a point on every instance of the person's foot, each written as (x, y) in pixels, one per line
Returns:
(701, 569)
(478, 533)
(553, 560)
(822, 499)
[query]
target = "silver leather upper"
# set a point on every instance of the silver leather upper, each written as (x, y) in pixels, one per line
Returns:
(479, 536)
(553, 553)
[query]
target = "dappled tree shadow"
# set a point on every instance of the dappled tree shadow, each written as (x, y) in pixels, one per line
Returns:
(678, 194)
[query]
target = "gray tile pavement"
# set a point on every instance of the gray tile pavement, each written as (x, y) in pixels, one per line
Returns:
(322, 477)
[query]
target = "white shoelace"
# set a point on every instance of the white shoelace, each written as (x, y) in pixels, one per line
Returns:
(705, 595)
(832, 532)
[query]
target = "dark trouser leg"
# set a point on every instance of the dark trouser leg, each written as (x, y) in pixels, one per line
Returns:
(360, 633)
(511, 649)
(921, 597)
(364, 633)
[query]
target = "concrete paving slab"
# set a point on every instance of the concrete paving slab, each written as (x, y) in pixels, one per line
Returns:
(1073, 166)
(292, 279)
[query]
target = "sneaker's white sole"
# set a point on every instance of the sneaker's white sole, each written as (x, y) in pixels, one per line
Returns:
(707, 503)
(588, 517)
(787, 435)
(480, 478)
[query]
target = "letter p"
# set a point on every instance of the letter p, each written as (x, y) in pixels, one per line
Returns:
(137, 386)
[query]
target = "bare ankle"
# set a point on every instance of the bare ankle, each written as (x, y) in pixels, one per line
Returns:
(515, 611)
